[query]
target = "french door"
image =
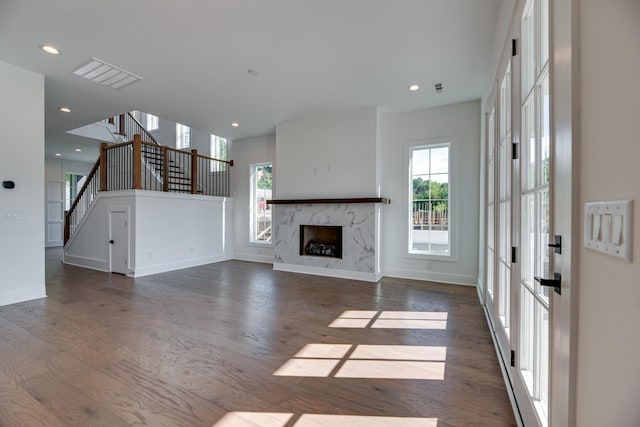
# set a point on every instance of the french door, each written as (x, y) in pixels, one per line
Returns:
(519, 222)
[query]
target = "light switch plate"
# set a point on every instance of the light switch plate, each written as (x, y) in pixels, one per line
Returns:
(608, 228)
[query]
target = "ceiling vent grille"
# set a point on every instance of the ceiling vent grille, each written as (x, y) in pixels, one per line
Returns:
(101, 72)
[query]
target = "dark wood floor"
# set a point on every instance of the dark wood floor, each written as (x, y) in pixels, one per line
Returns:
(199, 347)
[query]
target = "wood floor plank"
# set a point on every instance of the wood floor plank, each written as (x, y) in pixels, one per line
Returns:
(68, 403)
(187, 347)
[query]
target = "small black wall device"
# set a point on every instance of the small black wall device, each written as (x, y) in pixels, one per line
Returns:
(8, 184)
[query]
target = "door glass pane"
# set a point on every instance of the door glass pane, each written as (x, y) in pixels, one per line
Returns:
(542, 269)
(544, 137)
(527, 45)
(526, 338)
(544, 33)
(527, 239)
(543, 345)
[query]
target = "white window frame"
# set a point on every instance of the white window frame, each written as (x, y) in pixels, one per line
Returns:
(216, 152)
(453, 223)
(253, 207)
(183, 141)
(152, 122)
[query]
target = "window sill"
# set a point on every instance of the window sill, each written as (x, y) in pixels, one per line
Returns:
(260, 244)
(431, 257)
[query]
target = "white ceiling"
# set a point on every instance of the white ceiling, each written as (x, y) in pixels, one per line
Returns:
(312, 57)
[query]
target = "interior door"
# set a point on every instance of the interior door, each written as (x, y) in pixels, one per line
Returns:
(118, 242)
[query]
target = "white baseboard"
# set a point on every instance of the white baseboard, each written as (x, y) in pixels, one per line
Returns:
(177, 265)
(92, 263)
(454, 279)
(265, 259)
(328, 272)
(22, 295)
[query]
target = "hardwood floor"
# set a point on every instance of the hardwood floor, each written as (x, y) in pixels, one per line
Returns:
(200, 347)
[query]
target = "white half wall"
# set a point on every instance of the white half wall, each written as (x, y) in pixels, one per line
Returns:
(460, 124)
(245, 153)
(167, 231)
(175, 231)
(328, 156)
(608, 376)
(22, 208)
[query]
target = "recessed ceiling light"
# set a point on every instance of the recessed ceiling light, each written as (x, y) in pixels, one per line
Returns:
(235, 124)
(78, 150)
(50, 49)
(58, 154)
(414, 88)
(65, 109)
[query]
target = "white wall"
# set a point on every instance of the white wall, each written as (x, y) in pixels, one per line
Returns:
(460, 123)
(22, 161)
(609, 290)
(89, 245)
(167, 231)
(328, 156)
(245, 153)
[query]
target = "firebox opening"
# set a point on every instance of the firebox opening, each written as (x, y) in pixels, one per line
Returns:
(321, 240)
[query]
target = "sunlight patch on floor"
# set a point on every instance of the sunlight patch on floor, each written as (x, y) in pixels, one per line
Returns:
(367, 361)
(391, 319)
(274, 419)
(254, 419)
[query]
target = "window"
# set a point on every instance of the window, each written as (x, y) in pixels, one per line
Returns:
(261, 187)
(429, 207)
(153, 122)
(183, 136)
(73, 184)
(218, 151)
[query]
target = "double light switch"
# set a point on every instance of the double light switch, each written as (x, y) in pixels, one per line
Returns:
(607, 227)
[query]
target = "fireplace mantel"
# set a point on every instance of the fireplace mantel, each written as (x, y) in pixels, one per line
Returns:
(382, 200)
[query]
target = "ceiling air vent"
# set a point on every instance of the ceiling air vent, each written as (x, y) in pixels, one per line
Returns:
(438, 87)
(106, 74)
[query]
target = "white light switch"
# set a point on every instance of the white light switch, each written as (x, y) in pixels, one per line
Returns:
(607, 227)
(616, 230)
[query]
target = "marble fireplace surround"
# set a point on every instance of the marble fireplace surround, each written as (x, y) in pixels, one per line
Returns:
(359, 219)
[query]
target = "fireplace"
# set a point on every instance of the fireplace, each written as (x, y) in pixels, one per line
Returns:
(321, 240)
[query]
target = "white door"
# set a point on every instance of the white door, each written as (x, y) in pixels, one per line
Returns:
(55, 215)
(118, 242)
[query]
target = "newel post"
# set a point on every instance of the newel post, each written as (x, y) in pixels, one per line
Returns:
(194, 171)
(137, 162)
(103, 166)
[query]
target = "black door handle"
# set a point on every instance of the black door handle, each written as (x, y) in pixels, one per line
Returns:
(553, 283)
(111, 241)
(557, 244)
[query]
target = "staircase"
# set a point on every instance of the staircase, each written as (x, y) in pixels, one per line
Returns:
(143, 164)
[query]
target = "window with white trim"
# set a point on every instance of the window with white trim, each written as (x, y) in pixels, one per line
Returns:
(183, 136)
(218, 151)
(261, 190)
(153, 122)
(429, 206)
